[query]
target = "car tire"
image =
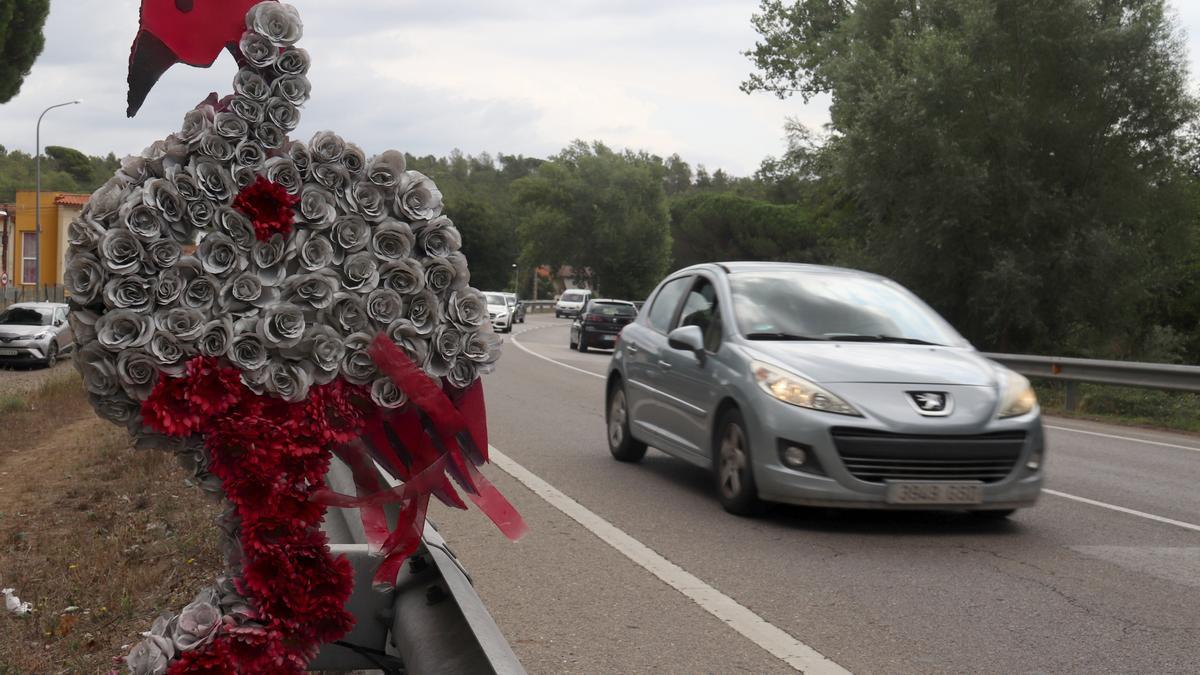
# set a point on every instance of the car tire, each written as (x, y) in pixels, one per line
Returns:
(623, 446)
(993, 514)
(733, 468)
(558, 315)
(582, 346)
(52, 355)
(571, 341)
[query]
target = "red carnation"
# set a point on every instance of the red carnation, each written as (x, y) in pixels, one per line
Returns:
(268, 205)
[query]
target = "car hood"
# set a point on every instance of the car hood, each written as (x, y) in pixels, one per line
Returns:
(874, 362)
(497, 308)
(23, 331)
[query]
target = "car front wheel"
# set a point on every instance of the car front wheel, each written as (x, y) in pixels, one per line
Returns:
(52, 355)
(733, 466)
(621, 444)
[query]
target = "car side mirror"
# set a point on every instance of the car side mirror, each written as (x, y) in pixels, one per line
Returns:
(687, 339)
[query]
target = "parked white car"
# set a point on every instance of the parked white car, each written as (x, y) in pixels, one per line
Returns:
(35, 332)
(571, 302)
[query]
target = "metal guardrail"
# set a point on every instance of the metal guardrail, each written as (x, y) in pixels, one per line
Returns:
(433, 622)
(1163, 376)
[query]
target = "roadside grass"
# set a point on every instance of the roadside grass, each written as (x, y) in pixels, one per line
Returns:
(99, 537)
(1177, 411)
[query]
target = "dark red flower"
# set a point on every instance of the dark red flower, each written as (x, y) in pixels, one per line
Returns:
(269, 206)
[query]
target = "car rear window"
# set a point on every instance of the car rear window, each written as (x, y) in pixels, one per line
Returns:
(612, 309)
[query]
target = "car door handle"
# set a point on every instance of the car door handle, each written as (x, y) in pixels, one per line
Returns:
(665, 365)
(632, 348)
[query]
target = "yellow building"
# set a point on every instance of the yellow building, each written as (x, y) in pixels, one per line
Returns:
(58, 210)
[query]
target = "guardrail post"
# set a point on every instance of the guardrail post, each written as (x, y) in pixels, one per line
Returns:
(1072, 396)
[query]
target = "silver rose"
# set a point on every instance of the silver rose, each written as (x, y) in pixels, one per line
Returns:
(230, 126)
(289, 380)
(142, 221)
(283, 170)
(283, 114)
(250, 84)
(183, 323)
(120, 252)
(84, 278)
(151, 656)
(215, 337)
(299, 153)
(270, 135)
(317, 206)
(405, 335)
(482, 347)
(235, 224)
(189, 268)
(278, 22)
(354, 159)
(83, 325)
(384, 306)
(245, 291)
(98, 369)
(219, 254)
(116, 408)
(357, 365)
(184, 183)
(392, 240)
(439, 237)
(129, 292)
(160, 194)
(350, 234)
(247, 108)
(294, 61)
(243, 176)
(439, 274)
(281, 325)
(258, 50)
(462, 373)
(327, 147)
(269, 260)
(418, 198)
(137, 373)
(247, 351)
(196, 122)
(133, 171)
(386, 394)
(214, 179)
(333, 176)
(200, 292)
(200, 214)
(164, 253)
(467, 308)
(314, 251)
(347, 313)
(249, 153)
(167, 352)
(324, 348)
(214, 146)
(368, 200)
(313, 291)
(423, 311)
(102, 206)
(360, 272)
(168, 287)
(405, 276)
(387, 170)
(446, 344)
(295, 89)
(198, 623)
(462, 274)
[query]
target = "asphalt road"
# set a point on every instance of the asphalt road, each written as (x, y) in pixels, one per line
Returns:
(1107, 585)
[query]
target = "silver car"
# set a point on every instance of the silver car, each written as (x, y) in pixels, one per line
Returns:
(34, 332)
(821, 386)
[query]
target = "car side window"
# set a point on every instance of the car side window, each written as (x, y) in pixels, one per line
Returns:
(60, 315)
(665, 303)
(700, 309)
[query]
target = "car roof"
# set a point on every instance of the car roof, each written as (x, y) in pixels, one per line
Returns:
(743, 266)
(611, 301)
(38, 305)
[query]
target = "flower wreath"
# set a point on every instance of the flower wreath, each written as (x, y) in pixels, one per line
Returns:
(258, 305)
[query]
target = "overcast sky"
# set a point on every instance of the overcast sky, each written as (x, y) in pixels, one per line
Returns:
(520, 77)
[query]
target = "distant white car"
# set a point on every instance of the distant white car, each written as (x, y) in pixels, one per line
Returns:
(571, 302)
(502, 310)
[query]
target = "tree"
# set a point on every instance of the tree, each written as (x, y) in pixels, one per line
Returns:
(1018, 163)
(72, 161)
(720, 226)
(21, 42)
(601, 212)
(679, 176)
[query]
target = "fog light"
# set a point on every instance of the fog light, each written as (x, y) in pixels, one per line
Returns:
(1035, 462)
(794, 457)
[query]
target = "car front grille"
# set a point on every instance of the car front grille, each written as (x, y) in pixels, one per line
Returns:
(876, 456)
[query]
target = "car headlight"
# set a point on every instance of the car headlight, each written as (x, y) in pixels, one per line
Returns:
(43, 336)
(1018, 397)
(793, 389)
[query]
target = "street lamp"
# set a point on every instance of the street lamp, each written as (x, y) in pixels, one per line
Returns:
(37, 203)
(516, 279)
(4, 251)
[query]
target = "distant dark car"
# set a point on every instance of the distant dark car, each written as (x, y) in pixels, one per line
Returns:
(599, 322)
(519, 314)
(35, 332)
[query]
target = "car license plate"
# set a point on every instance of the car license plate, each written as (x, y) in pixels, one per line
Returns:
(8, 352)
(608, 338)
(934, 493)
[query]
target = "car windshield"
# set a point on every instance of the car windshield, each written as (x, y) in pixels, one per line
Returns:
(612, 309)
(572, 297)
(813, 305)
(25, 316)
(494, 298)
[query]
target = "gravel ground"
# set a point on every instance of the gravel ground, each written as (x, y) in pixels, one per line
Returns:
(22, 380)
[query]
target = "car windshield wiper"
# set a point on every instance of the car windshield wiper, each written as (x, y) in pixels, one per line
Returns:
(883, 338)
(780, 336)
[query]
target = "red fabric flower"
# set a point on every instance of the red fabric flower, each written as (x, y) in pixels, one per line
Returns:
(269, 206)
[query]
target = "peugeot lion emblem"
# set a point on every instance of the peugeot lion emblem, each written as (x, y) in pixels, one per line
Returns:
(931, 403)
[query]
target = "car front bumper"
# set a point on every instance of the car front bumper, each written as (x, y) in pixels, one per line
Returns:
(827, 480)
(23, 351)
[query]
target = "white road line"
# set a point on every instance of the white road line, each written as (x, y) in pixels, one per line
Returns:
(752, 626)
(530, 352)
(1124, 438)
(1141, 514)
